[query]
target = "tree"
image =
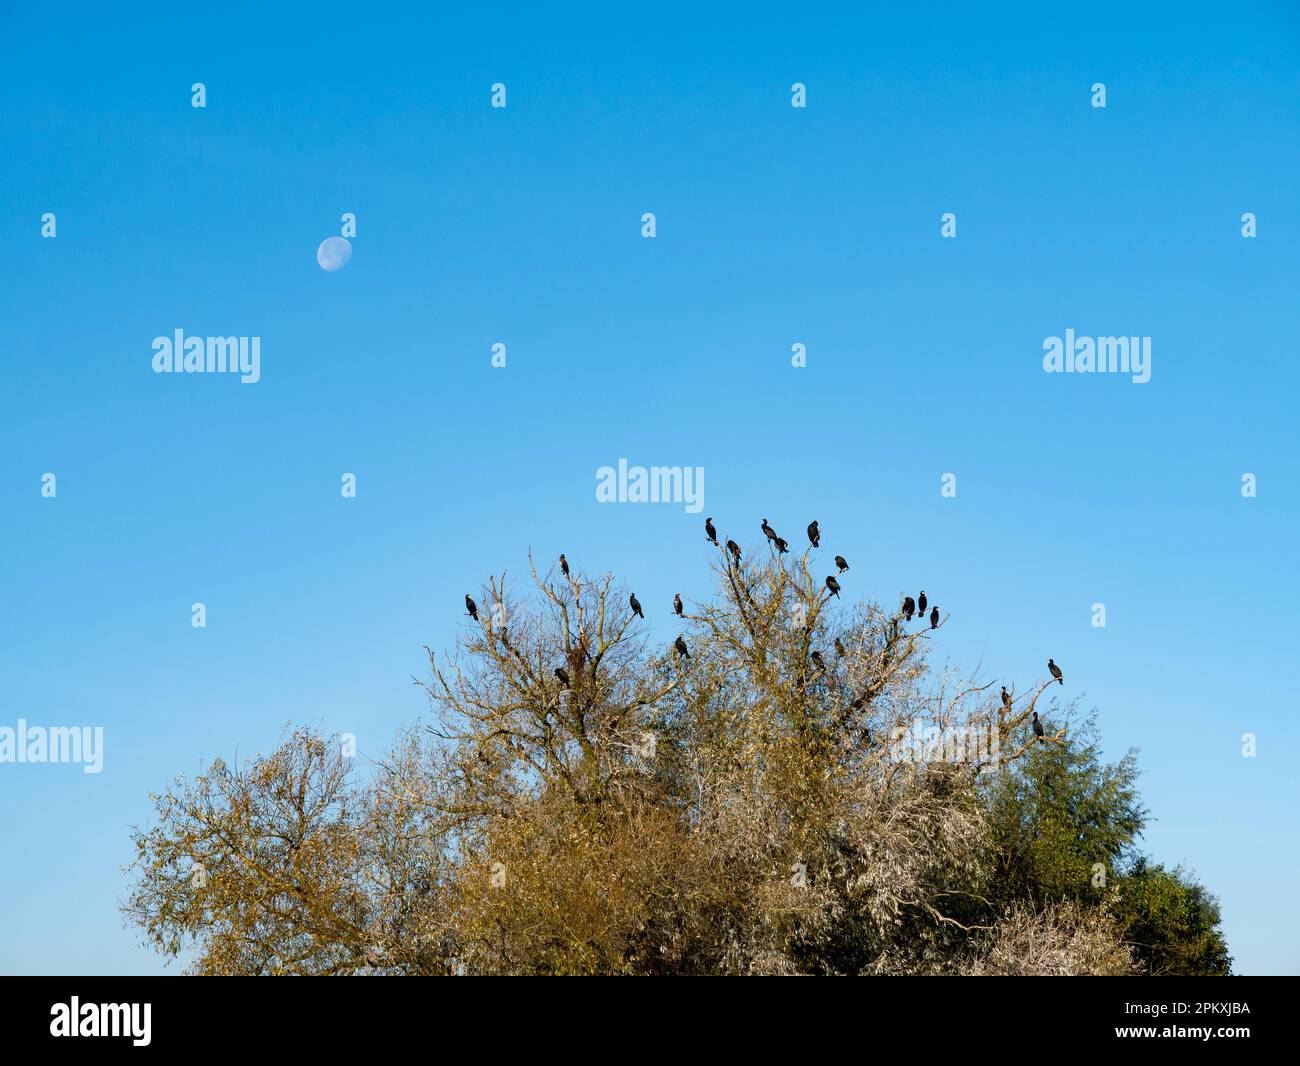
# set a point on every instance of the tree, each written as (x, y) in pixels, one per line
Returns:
(586, 802)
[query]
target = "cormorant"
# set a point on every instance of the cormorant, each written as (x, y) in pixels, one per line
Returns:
(563, 675)
(768, 531)
(909, 608)
(677, 603)
(734, 548)
(782, 546)
(1056, 671)
(680, 646)
(814, 535)
(636, 606)
(564, 565)
(817, 658)
(833, 585)
(1038, 728)
(709, 531)
(920, 604)
(472, 607)
(934, 617)
(839, 561)
(839, 648)
(1006, 698)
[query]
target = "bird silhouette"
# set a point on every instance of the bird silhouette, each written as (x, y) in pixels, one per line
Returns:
(1038, 728)
(636, 606)
(782, 546)
(680, 646)
(768, 531)
(563, 675)
(564, 565)
(833, 585)
(839, 648)
(1006, 698)
(816, 657)
(814, 534)
(920, 604)
(734, 548)
(472, 607)
(839, 561)
(934, 617)
(709, 531)
(677, 604)
(909, 608)
(1055, 671)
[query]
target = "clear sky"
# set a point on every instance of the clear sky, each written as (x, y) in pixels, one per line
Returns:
(775, 226)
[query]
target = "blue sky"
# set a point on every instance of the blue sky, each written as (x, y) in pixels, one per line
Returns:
(522, 226)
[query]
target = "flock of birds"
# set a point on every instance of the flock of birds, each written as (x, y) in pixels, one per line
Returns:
(911, 607)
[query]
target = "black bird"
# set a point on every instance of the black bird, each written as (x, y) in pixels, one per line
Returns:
(636, 606)
(563, 675)
(710, 532)
(564, 565)
(839, 648)
(934, 617)
(817, 658)
(1056, 671)
(1038, 728)
(472, 607)
(1006, 698)
(677, 604)
(680, 646)
(833, 585)
(920, 604)
(909, 608)
(734, 548)
(839, 561)
(768, 531)
(782, 546)
(814, 535)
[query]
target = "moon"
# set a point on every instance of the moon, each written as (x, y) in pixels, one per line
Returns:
(333, 253)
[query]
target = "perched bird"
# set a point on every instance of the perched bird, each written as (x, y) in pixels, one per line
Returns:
(782, 546)
(636, 606)
(710, 532)
(839, 561)
(839, 648)
(814, 535)
(833, 585)
(816, 657)
(768, 531)
(563, 675)
(1056, 671)
(920, 604)
(564, 565)
(472, 607)
(734, 548)
(1006, 698)
(909, 608)
(680, 646)
(934, 617)
(1038, 728)
(677, 604)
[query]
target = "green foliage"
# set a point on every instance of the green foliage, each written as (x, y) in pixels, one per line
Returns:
(1171, 923)
(1057, 814)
